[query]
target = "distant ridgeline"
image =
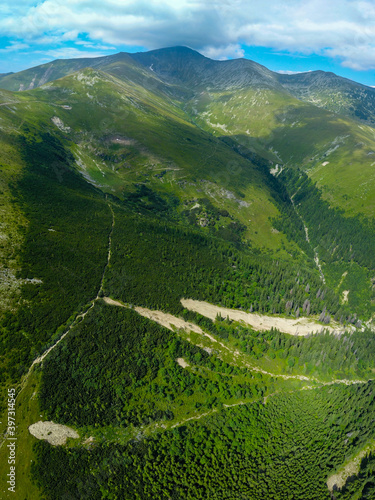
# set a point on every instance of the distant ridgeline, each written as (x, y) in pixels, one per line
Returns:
(133, 181)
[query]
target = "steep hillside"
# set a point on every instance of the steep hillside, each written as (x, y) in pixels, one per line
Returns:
(174, 65)
(331, 148)
(279, 117)
(333, 92)
(35, 77)
(187, 283)
(189, 68)
(122, 134)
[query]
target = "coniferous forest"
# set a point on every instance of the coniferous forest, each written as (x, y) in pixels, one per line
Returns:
(187, 284)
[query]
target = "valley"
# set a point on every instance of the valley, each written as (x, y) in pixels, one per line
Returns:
(187, 277)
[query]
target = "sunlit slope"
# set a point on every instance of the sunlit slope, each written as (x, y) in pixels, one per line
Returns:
(282, 118)
(121, 65)
(332, 92)
(176, 66)
(119, 201)
(12, 221)
(122, 134)
(188, 68)
(39, 75)
(158, 125)
(296, 120)
(333, 149)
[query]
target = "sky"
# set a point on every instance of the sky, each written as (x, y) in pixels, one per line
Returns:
(286, 36)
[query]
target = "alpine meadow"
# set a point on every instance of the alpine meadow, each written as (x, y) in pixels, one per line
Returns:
(187, 276)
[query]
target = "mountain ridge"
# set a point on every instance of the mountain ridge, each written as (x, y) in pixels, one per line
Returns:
(140, 185)
(321, 88)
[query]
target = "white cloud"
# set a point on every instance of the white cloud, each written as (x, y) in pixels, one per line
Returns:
(221, 53)
(14, 47)
(343, 29)
(290, 72)
(357, 57)
(71, 53)
(93, 45)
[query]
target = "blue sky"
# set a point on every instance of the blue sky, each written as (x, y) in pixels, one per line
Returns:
(290, 36)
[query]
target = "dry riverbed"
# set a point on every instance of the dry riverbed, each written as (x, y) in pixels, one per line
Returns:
(300, 327)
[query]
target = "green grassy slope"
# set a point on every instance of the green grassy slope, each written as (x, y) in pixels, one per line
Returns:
(121, 134)
(243, 99)
(40, 75)
(332, 92)
(121, 184)
(125, 141)
(332, 149)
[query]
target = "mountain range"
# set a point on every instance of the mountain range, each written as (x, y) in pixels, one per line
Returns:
(188, 68)
(187, 279)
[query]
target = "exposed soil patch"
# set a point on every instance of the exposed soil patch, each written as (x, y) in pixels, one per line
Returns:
(89, 441)
(60, 124)
(350, 469)
(182, 362)
(125, 141)
(55, 434)
(172, 323)
(167, 320)
(164, 319)
(299, 327)
(345, 294)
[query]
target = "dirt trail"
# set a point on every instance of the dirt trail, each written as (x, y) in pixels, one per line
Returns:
(92, 303)
(298, 327)
(39, 359)
(295, 327)
(172, 323)
(182, 422)
(240, 403)
(109, 251)
(79, 317)
(198, 417)
(168, 321)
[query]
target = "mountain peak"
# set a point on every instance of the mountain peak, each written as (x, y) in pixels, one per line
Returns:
(173, 51)
(177, 57)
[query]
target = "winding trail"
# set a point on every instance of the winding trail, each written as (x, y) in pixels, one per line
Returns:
(78, 317)
(182, 422)
(109, 255)
(173, 323)
(92, 303)
(214, 410)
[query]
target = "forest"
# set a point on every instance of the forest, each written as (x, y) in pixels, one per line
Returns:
(183, 262)
(253, 451)
(65, 249)
(116, 376)
(120, 369)
(326, 355)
